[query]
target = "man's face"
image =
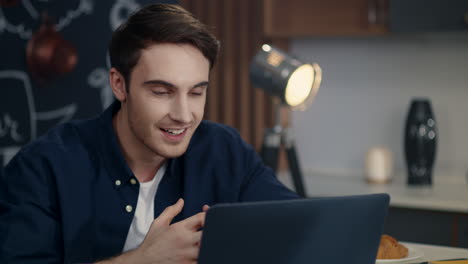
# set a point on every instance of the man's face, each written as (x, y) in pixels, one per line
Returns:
(166, 99)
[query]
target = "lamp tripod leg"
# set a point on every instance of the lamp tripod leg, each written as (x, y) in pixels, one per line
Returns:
(270, 148)
(293, 163)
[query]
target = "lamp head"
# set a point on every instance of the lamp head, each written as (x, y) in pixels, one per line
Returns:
(284, 76)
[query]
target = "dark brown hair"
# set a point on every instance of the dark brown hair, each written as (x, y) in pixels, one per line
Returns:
(158, 23)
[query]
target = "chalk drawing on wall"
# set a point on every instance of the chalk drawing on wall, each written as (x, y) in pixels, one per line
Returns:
(62, 114)
(120, 11)
(20, 102)
(30, 8)
(85, 7)
(99, 79)
(18, 115)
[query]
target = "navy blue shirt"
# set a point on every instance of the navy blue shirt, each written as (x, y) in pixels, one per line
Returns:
(59, 201)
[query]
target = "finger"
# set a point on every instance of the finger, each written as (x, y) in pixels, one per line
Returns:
(194, 222)
(196, 238)
(205, 208)
(192, 253)
(165, 218)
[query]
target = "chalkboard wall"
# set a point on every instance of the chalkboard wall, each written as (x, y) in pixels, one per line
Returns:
(29, 107)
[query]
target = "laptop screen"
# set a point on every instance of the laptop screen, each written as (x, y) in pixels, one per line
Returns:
(343, 229)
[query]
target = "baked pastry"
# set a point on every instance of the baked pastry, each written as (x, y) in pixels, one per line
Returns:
(389, 248)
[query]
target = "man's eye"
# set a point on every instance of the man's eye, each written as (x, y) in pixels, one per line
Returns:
(160, 92)
(197, 91)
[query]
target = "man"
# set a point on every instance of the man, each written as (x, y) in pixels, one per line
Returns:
(133, 184)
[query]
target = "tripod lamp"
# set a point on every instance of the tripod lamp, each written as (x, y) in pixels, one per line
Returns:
(295, 84)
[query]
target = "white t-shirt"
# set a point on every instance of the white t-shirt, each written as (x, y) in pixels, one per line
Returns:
(144, 213)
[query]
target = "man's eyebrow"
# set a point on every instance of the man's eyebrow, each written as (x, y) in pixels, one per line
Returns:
(170, 85)
(159, 82)
(201, 84)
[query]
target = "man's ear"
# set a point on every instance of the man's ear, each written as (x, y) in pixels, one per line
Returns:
(117, 83)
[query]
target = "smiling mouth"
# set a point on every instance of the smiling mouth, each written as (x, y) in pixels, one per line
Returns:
(174, 131)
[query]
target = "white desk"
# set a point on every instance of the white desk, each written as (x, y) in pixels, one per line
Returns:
(431, 252)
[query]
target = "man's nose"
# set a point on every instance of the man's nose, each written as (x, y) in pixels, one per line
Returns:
(180, 111)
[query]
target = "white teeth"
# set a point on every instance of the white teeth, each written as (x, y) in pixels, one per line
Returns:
(174, 131)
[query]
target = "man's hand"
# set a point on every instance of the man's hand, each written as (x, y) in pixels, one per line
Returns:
(176, 243)
(166, 243)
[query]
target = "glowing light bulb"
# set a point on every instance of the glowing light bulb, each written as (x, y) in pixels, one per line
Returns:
(299, 85)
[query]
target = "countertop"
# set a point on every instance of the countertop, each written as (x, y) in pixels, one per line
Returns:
(449, 194)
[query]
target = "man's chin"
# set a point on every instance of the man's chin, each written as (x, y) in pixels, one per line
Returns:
(172, 153)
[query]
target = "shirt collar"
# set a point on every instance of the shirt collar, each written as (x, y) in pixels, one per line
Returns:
(110, 149)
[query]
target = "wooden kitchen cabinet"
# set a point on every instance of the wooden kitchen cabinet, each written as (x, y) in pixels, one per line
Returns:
(462, 230)
(296, 18)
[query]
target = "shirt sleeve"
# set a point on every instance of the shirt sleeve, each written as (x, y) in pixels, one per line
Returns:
(30, 230)
(261, 183)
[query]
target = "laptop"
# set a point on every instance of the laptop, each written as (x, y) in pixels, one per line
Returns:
(328, 230)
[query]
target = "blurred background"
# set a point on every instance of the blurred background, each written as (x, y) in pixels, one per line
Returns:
(376, 56)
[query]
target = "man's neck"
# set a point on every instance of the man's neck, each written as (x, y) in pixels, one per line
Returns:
(145, 172)
(143, 162)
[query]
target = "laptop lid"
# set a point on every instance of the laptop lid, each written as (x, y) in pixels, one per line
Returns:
(330, 230)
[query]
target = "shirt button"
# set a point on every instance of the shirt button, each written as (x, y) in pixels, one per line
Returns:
(129, 208)
(132, 181)
(118, 182)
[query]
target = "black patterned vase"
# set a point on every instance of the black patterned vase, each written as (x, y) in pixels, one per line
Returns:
(420, 142)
